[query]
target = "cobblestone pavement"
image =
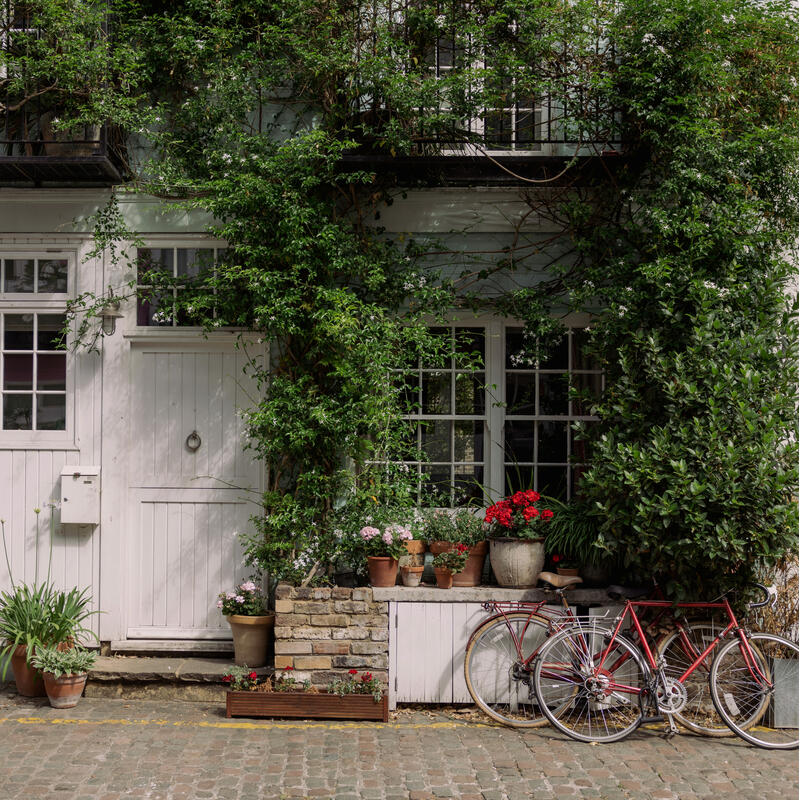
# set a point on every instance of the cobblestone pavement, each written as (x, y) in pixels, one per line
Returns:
(109, 749)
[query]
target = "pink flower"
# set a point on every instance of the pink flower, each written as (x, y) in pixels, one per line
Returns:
(387, 536)
(248, 587)
(368, 532)
(219, 603)
(239, 598)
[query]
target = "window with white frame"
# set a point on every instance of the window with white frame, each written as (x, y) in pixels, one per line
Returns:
(505, 425)
(33, 361)
(156, 307)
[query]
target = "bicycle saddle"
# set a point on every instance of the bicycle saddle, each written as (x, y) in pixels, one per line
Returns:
(559, 581)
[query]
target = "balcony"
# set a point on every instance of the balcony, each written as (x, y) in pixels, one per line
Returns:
(33, 154)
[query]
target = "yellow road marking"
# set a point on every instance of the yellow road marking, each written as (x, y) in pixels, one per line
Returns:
(245, 725)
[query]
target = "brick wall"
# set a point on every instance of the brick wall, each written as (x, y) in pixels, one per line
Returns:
(323, 633)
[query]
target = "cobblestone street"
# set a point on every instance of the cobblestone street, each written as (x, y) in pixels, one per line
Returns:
(108, 749)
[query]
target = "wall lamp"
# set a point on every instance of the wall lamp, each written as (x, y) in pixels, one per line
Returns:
(110, 313)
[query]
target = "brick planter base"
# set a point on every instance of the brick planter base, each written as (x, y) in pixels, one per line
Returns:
(323, 633)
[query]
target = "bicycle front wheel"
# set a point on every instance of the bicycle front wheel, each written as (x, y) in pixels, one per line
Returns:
(680, 649)
(587, 689)
(754, 690)
(496, 672)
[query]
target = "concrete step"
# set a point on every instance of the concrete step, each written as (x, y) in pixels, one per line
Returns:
(180, 678)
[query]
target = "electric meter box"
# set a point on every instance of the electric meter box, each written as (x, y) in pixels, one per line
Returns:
(80, 495)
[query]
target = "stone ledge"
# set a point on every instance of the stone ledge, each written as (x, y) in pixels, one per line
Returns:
(191, 670)
(484, 594)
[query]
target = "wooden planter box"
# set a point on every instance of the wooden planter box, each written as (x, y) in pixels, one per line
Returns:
(302, 705)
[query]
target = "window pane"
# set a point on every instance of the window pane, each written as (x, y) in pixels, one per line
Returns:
(53, 276)
(51, 412)
(408, 388)
(591, 383)
(471, 342)
(436, 489)
(149, 311)
(444, 348)
(518, 356)
(518, 478)
(579, 451)
(580, 358)
(557, 355)
(519, 441)
(18, 332)
(553, 482)
(19, 275)
(436, 440)
(553, 395)
(552, 441)
(192, 261)
(470, 393)
(467, 485)
(51, 373)
(150, 259)
(50, 336)
(436, 393)
(18, 372)
(468, 441)
(18, 412)
(520, 394)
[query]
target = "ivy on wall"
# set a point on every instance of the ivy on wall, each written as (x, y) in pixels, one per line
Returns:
(682, 250)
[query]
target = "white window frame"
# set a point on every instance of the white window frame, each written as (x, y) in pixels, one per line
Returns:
(40, 303)
(495, 417)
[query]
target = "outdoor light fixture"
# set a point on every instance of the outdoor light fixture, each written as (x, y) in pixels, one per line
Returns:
(110, 313)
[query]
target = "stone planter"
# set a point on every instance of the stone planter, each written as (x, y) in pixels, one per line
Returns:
(471, 574)
(411, 576)
(251, 638)
(304, 705)
(64, 692)
(516, 563)
(382, 570)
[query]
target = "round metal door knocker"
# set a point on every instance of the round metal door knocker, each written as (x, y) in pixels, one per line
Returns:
(193, 441)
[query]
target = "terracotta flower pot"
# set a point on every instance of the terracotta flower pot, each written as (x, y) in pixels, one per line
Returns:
(570, 572)
(29, 680)
(64, 692)
(251, 638)
(471, 574)
(415, 546)
(516, 563)
(382, 570)
(411, 576)
(440, 547)
(444, 578)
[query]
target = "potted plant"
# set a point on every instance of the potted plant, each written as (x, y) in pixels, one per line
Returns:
(64, 672)
(565, 565)
(251, 624)
(383, 550)
(517, 530)
(352, 697)
(411, 575)
(447, 564)
(445, 529)
(36, 617)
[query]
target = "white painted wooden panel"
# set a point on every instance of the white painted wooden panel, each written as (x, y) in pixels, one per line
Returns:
(30, 480)
(466, 617)
(185, 551)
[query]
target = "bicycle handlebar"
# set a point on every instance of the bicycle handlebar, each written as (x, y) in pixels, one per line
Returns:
(767, 596)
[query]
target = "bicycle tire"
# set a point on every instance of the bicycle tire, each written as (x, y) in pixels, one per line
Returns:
(582, 701)
(741, 697)
(496, 679)
(699, 715)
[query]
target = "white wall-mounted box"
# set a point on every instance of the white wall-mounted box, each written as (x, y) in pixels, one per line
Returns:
(80, 495)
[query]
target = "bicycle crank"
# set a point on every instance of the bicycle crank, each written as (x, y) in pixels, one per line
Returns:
(671, 696)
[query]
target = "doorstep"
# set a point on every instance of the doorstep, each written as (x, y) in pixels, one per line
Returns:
(138, 678)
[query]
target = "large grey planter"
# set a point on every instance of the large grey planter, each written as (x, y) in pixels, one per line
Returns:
(516, 563)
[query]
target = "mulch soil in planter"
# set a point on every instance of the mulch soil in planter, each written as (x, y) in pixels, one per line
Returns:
(306, 705)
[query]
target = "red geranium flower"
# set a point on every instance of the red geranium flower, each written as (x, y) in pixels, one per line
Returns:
(353, 672)
(288, 669)
(366, 677)
(530, 513)
(252, 676)
(227, 678)
(547, 513)
(556, 558)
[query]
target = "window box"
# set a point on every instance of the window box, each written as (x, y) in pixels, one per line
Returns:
(306, 705)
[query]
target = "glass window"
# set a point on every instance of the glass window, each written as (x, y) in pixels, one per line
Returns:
(540, 448)
(34, 276)
(34, 372)
(447, 408)
(157, 308)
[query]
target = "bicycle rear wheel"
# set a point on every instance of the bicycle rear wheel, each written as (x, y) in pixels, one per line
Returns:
(742, 686)
(497, 677)
(679, 650)
(588, 700)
